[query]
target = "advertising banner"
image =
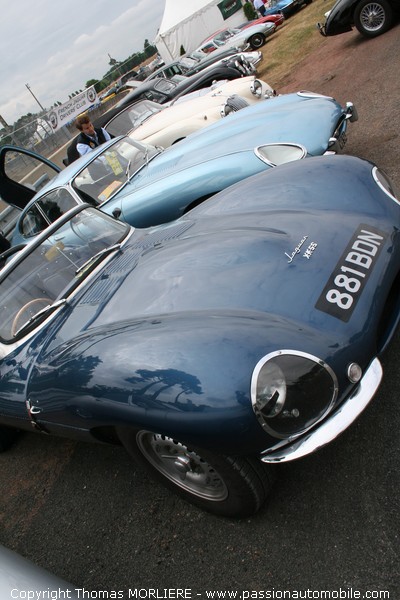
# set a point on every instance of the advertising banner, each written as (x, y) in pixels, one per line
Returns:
(61, 115)
(229, 7)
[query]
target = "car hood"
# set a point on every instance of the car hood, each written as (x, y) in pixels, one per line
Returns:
(198, 107)
(306, 120)
(278, 6)
(172, 115)
(215, 268)
(262, 248)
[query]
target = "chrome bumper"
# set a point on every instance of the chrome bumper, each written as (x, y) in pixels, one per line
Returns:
(335, 424)
(336, 144)
(351, 112)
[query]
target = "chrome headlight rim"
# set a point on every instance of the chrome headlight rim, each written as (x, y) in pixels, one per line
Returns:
(383, 181)
(254, 384)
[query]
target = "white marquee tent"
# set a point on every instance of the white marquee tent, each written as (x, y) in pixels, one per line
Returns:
(186, 23)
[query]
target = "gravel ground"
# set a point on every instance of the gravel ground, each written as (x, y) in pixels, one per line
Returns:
(351, 68)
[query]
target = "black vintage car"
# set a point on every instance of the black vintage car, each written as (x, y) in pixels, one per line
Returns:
(163, 90)
(191, 65)
(370, 17)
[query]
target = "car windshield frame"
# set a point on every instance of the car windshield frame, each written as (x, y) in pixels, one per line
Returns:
(44, 210)
(111, 170)
(223, 36)
(39, 278)
(132, 117)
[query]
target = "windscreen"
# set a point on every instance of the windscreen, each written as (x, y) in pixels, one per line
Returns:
(111, 170)
(54, 267)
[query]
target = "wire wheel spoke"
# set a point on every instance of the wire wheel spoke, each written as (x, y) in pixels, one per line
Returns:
(372, 17)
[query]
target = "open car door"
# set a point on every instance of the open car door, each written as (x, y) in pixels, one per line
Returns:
(22, 174)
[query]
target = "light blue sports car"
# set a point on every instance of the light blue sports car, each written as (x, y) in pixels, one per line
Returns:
(286, 7)
(145, 186)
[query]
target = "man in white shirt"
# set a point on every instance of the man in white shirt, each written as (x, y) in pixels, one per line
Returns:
(259, 5)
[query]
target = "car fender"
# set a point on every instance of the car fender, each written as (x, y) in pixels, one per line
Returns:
(174, 132)
(204, 399)
(340, 18)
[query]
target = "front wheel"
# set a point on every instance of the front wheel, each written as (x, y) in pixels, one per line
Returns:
(256, 41)
(224, 485)
(373, 17)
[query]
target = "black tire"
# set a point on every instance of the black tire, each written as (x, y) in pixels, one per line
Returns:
(373, 17)
(7, 437)
(223, 485)
(257, 40)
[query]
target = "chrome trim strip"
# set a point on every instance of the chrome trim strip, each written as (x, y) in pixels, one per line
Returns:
(307, 94)
(334, 425)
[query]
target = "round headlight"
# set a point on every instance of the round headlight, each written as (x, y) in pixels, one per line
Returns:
(256, 88)
(271, 390)
(291, 391)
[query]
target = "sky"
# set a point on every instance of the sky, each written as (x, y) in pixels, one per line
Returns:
(56, 47)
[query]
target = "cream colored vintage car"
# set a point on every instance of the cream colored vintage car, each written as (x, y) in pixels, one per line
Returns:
(169, 125)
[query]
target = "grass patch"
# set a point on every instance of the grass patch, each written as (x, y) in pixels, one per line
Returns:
(296, 38)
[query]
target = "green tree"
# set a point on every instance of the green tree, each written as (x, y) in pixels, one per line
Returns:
(149, 49)
(249, 11)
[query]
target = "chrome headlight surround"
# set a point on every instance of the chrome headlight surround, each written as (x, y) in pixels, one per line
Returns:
(291, 391)
(383, 181)
(270, 94)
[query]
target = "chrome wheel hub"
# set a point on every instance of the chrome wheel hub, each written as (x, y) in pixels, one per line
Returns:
(372, 17)
(182, 466)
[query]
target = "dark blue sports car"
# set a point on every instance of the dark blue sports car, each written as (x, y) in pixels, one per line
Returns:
(244, 334)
